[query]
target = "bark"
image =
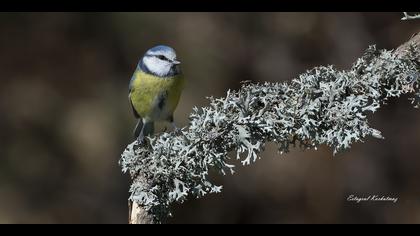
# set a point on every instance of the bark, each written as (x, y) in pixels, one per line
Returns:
(138, 215)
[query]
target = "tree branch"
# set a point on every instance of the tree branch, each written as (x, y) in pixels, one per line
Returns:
(323, 106)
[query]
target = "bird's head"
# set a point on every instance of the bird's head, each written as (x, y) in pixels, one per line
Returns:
(160, 61)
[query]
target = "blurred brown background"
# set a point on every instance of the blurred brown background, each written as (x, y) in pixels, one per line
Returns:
(65, 118)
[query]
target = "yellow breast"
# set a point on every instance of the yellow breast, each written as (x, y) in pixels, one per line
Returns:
(147, 92)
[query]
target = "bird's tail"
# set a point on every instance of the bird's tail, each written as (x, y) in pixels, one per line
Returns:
(145, 129)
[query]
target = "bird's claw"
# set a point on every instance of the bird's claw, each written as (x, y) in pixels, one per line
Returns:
(177, 130)
(140, 141)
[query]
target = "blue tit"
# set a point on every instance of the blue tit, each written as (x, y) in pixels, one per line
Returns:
(155, 89)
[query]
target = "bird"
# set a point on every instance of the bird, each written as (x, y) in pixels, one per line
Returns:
(155, 89)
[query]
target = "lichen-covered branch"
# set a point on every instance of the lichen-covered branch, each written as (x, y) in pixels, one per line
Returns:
(323, 106)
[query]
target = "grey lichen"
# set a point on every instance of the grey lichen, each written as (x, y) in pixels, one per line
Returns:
(322, 106)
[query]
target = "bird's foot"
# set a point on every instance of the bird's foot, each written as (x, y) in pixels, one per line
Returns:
(176, 129)
(140, 141)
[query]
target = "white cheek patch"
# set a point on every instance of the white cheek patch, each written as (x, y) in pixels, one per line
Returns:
(156, 66)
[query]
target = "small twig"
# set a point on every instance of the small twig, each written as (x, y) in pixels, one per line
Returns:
(410, 17)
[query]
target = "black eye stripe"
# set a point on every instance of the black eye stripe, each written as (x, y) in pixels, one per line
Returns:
(161, 57)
